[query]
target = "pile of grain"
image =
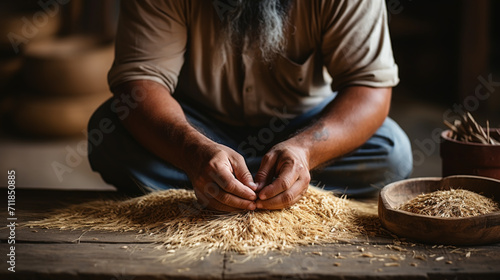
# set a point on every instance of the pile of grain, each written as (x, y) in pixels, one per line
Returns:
(176, 221)
(453, 203)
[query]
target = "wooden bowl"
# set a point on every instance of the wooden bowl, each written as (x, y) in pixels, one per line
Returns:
(476, 230)
(75, 65)
(461, 158)
(17, 29)
(55, 116)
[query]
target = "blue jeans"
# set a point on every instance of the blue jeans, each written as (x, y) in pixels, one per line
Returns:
(124, 163)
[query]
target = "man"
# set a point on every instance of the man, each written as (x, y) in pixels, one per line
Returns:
(250, 101)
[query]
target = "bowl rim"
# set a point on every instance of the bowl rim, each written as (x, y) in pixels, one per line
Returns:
(444, 137)
(79, 46)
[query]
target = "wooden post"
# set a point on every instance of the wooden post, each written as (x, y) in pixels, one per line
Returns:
(474, 45)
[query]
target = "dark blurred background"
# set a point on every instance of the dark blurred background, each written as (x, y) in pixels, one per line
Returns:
(54, 55)
(442, 47)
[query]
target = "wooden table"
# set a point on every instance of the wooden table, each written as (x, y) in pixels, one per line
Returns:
(54, 254)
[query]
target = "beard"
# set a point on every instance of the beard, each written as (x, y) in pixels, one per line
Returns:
(255, 24)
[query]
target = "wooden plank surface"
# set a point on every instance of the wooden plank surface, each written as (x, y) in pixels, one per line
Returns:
(55, 254)
(362, 261)
(104, 261)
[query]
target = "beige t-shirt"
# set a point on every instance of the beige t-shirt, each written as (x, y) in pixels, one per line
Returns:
(330, 45)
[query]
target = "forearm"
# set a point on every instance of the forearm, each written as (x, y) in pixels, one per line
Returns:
(157, 121)
(219, 175)
(345, 124)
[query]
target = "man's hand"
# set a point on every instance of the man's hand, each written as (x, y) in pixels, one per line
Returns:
(221, 179)
(283, 176)
(219, 175)
(345, 124)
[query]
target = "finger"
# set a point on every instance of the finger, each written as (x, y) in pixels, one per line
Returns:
(266, 170)
(224, 200)
(208, 202)
(242, 173)
(202, 199)
(216, 205)
(286, 198)
(226, 180)
(288, 174)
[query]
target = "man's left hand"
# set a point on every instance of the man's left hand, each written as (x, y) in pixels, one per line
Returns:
(283, 176)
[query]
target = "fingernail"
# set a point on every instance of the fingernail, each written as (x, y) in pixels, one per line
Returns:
(258, 205)
(253, 186)
(260, 185)
(262, 197)
(251, 207)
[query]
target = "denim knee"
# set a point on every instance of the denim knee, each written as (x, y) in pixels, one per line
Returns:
(400, 158)
(386, 157)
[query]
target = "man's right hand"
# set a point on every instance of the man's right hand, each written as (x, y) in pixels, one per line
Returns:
(220, 178)
(219, 175)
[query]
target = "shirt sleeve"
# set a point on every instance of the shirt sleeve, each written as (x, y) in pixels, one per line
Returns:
(150, 43)
(356, 44)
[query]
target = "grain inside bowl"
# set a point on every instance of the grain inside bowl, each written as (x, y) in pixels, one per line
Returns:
(452, 203)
